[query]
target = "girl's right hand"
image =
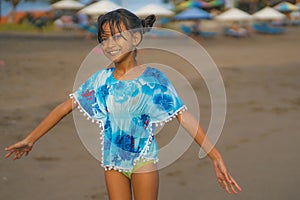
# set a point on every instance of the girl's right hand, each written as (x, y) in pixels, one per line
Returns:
(19, 149)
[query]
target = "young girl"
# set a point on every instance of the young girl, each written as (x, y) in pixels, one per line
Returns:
(128, 100)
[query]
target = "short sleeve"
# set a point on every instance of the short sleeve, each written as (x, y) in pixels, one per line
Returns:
(85, 96)
(165, 102)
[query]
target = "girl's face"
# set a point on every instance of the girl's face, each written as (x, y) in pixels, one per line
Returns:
(119, 47)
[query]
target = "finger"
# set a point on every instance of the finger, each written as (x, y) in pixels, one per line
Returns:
(9, 148)
(233, 188)
(226, 187)
(8, 154)
(236, 185)
(12, 147)
(221, 183)
(227, 177)
(15, 157)
(18, 155)
(21, 154)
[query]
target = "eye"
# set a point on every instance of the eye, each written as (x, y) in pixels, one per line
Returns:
(104, 41)
(117, 36)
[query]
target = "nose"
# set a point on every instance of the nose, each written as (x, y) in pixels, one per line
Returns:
(110, 42)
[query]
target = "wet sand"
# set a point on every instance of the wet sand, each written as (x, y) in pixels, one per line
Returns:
(259, 141)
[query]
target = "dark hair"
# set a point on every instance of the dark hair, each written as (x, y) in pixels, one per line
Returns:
(122, 16)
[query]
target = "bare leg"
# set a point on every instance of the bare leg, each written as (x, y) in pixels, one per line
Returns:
(118, 185)
(145, 183)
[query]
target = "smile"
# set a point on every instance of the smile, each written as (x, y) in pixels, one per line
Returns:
(114, 52)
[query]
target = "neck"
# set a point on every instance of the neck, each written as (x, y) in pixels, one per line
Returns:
(125, 65)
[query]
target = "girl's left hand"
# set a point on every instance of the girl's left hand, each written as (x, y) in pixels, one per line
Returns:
(226, 181)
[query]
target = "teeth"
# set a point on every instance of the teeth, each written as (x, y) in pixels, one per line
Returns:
(114, 52)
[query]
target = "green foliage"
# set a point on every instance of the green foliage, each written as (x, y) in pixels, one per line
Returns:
(25, 27)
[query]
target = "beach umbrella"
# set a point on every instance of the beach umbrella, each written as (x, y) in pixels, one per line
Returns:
(215, 3)
(285, 7)
(268, 13)
(153, 9)
(200, 4)
(234, 14)
(86, 2)
(67, 5)
(100, 8)
(193, 14)
(188, 4)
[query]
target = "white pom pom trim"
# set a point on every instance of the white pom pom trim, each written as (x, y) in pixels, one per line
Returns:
(143, 154)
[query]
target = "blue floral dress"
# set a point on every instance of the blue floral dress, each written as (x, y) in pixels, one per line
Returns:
(128, 112)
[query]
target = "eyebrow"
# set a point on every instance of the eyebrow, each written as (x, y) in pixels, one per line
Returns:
(106, 36)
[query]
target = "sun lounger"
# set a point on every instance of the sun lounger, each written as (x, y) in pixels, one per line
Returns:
(230, 32)
(266, 29)
(205, 34)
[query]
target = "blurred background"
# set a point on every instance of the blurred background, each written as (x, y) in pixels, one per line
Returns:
(255, 45)
(235, 18)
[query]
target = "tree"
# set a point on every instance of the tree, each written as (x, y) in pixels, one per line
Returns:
(15, 3)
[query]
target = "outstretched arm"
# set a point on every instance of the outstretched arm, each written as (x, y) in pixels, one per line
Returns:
(192, 126)
(25, 145)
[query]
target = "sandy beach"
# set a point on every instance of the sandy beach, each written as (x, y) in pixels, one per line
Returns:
(259, 141)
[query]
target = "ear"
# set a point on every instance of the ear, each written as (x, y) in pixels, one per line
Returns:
(137, 38)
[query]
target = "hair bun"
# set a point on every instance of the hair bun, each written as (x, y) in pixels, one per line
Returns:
(148, 23)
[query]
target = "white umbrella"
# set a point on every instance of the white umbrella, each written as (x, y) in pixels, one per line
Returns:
(67, 4)
(153, 9)
(285, 7)
(268, 13)
(99, 8)
(234, 14)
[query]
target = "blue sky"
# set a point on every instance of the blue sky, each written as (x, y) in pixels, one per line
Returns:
(42, 5)
(38, 5)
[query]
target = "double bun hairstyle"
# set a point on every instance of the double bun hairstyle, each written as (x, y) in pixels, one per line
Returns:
(121, 16)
